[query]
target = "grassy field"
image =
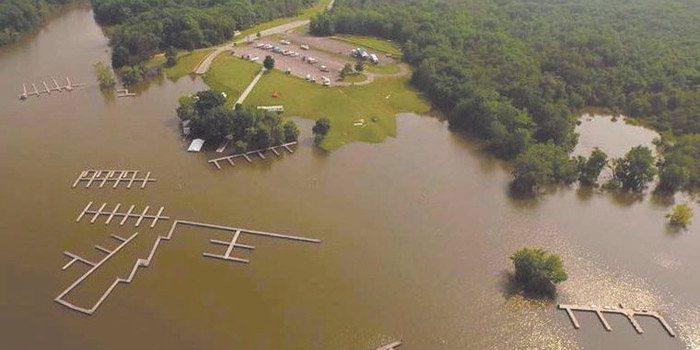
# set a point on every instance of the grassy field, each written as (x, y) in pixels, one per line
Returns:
(231, 75)
(381, 100)
(371, 43)
(383, 68)
(355, 78)
(186, 62)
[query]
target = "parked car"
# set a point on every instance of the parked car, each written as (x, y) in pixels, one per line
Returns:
(323, 68)
(304, 47)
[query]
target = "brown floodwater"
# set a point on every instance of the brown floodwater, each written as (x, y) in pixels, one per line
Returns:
(416, 233)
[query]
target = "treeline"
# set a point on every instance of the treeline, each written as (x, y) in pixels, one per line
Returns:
(19, 16)
(248, 129)
(513, 72)
(140, 28)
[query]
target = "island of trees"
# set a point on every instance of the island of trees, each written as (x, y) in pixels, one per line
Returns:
(538, 272)
(139, 29)
(248, 129)
(514, 73)
(19, 16)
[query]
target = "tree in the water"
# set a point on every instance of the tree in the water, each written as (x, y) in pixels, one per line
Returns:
(542, 164)
(105, 77)
(537, 271)
(320, 130)
(589, 169)
(170, 56)
(269, 62)
(291, 132)
(635, 170)
(680, 216)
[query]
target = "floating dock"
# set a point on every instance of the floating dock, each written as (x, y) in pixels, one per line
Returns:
(104, 176)
(237, 234)
(390, 346)
(111, 214)
(259, 152)
(125, 93)
(629, 313)
(47, 89)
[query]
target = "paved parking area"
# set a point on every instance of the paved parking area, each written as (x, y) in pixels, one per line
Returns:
(330, 53)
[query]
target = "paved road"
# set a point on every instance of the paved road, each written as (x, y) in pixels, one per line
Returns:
(203, 66)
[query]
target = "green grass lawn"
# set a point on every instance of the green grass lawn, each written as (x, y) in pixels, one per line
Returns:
(231, 75)
(383, 99)
(371, 43)
(382, 68)
(355, 78)
(186, 62)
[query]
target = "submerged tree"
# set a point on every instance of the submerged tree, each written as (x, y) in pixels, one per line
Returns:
(320, 130)
(105, 77)
(291, 132)
(589, 169)
(680, 216)
(542, 164)
(537, 271)
(635, 170)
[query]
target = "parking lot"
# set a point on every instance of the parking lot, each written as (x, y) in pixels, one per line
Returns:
(328, 54)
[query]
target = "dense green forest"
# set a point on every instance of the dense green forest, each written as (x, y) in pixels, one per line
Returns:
(137, 29)
(19, 16)
(514, 72)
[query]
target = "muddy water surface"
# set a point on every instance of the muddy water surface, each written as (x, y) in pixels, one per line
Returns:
(416, 233)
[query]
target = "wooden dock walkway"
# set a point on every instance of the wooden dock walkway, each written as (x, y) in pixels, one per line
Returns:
(47, 89)
(124, 215)
(103, 176)
(258, 152)
(629, 313)
(237, 233)
(390, 346)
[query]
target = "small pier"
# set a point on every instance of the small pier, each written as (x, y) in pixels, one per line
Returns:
(390, 346)
(629, 313)
(111, 214)
(47, 88)
(113, 177)
(259, 152)
(231, 245)
(125, 93)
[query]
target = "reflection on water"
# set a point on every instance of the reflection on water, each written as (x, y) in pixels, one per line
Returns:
(613, 135)
(416, 233)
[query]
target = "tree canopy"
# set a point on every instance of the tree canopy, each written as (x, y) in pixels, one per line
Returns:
(247, 128)
(139, 28)
(514, 72)
(538, 271)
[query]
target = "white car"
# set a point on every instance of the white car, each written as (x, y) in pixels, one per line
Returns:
(304, 47)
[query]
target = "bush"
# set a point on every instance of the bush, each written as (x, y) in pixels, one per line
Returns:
(680, 216)
(537, 271)
(320, 130)
(105, 77)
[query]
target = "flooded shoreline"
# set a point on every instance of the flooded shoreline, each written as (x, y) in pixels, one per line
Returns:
(416, 233)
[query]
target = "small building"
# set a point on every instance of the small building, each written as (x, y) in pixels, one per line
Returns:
(196, 145)
(278, 109)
